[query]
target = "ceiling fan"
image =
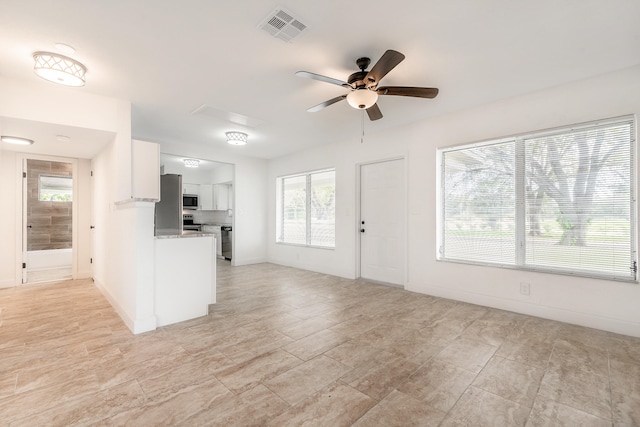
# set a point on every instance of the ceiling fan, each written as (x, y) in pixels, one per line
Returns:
(363, 85)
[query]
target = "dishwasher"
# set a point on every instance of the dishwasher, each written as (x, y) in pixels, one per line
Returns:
(227, 237)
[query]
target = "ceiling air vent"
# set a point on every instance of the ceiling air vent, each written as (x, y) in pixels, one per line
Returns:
(282, 25)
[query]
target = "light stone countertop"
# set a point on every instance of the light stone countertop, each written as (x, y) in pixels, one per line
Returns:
(175, 234)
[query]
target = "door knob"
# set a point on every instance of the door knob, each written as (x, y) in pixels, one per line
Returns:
(28, 226)
(362, 230)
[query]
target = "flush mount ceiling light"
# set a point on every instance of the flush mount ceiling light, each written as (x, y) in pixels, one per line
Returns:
(191, 163)
(237, 138)
(362, 98)
(16, 140)
(59, 69)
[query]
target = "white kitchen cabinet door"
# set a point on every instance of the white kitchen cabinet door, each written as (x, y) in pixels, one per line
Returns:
(230, 197)
(190, 188)
(206, 197)
(221, 197)
(145, 170)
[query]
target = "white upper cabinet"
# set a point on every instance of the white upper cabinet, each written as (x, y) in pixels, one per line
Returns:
(221, 197)
(190, 188)
(206, 197)
(145, 170)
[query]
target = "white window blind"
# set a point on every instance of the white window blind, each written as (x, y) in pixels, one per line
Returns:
(559, 201)
(306, 209)
(479, 207)
(295, 209)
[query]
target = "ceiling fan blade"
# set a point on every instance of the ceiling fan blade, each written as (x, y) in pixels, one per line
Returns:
(388, 62)
(325, 79)
(326, 103)
(417, 92)
(374, 112)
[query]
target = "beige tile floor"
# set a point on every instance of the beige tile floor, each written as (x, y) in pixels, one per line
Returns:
(286, 347)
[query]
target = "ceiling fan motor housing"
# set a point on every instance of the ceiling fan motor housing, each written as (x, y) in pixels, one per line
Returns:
(356, 79)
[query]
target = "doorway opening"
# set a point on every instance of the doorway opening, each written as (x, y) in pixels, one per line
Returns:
(47, 214)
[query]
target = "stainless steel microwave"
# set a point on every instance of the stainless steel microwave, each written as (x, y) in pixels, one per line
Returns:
(190, 201)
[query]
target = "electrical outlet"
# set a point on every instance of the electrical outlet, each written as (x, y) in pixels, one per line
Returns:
(525, 288)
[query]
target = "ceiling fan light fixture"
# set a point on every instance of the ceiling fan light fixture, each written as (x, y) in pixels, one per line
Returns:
(17, 140)
(59, 69)
(191, 163)
(361, 99)
(237, 138)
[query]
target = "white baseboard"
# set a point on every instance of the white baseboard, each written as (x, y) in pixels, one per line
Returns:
(546, 312)
(145, 325)
(238, 263)
(316, 268)
(136, 326)
(8, 283)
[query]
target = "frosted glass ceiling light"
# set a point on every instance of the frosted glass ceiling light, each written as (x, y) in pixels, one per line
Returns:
(237, 138)
(362, 98)
(191, 163)
(59, 69)
(16, 140)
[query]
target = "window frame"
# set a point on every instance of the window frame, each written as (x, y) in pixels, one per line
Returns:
(520, 211)
(280, 216)
(51, 191)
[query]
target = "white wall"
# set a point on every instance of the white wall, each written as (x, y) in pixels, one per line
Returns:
(250, 215)
(124, 251)
(123, 245)
(222, 174)
(595, 303)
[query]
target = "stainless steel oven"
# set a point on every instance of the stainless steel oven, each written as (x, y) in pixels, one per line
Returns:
(188, 225)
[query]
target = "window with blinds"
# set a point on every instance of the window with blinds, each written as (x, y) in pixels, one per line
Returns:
(557, 201)
(307, 209)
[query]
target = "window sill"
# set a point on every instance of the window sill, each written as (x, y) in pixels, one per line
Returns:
(580, 274)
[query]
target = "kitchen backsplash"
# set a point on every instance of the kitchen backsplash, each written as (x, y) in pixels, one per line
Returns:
(211, 217)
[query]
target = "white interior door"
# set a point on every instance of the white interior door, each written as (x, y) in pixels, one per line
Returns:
(382, 222)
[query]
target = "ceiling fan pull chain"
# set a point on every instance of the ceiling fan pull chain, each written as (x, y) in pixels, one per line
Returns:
(362, 121)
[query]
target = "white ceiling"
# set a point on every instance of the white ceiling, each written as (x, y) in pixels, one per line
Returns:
(171, 57)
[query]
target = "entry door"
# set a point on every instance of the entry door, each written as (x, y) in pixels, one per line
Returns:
(382, 222)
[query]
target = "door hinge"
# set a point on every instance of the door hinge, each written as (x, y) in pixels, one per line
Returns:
(91, 173)
(90, 260)
(24, 265)
(24, 174)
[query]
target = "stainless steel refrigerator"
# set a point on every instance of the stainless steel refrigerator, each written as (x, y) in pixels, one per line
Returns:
(168, 218)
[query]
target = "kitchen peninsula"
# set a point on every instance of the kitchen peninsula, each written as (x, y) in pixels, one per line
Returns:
(185, 271)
